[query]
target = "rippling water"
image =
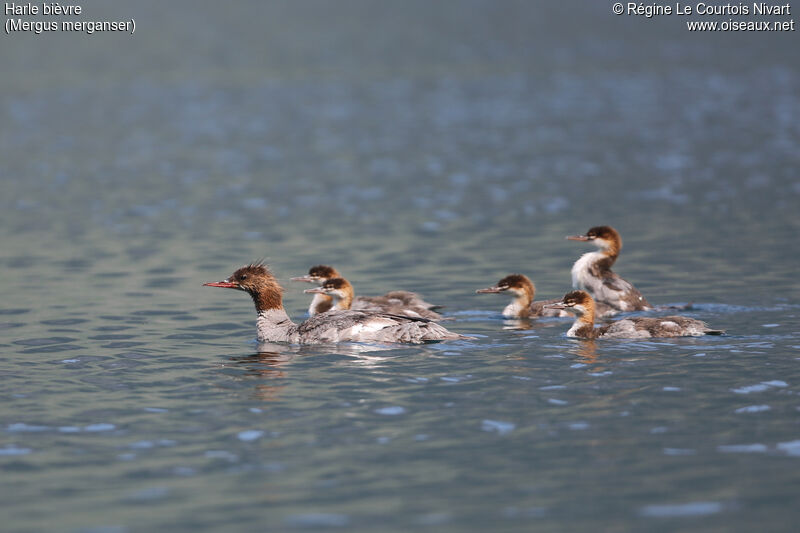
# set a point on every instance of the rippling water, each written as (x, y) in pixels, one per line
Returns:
(427, 147)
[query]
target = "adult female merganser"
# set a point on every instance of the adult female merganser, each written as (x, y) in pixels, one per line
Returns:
(341, 293)
(580, 303)
(400, 302)
(592, 273)
(274, 325)
(522, 306)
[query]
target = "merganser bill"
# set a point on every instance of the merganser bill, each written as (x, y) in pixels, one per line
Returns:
(399, 302)
(274, 325)
(580, 303)
(522, 306)
(592, 273)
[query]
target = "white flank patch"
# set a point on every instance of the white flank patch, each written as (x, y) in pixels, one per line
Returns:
(376, 325)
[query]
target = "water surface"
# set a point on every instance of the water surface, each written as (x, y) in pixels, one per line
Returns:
(427, 147)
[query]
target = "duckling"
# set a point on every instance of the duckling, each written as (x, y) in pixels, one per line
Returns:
(401, 302)
(592, 273)
(522, 306)
(582, 304)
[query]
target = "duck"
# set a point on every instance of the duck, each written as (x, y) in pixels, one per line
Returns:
(400, 302)
(592, 273)
(583, 305)
(524, 291)
(274, 325)
(340, 291)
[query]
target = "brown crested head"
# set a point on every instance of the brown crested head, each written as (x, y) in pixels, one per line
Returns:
(337, 288)
(256, 280)
(580, 303)
(322, 272)
(333, 286)
(574, 298)
(514, 281)
(518, 284)
(605, 237)
(336, 284)
(603, 232)
(318, 274)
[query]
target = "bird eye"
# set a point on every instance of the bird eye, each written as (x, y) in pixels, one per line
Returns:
(243, 276)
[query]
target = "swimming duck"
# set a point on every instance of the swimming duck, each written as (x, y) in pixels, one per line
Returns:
(522, 306)
(401, 302)
(341, 293)
(274, 325)
(592, 273)
(582, 304)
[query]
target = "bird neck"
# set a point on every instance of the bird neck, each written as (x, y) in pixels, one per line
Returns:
(583, 327)
(343, 303)
(319, 304)
(520, 306)
(589, 265)
(267, 295)
(610, 252)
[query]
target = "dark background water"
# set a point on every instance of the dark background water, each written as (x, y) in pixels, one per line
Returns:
(434, 146)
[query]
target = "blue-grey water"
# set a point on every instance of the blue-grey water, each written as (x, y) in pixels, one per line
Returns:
(433, 146)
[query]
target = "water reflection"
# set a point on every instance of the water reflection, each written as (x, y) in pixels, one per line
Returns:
(517, 324)
(528, 324)
(440, 171)
(585, 350)
(269, 367)
(271, 362)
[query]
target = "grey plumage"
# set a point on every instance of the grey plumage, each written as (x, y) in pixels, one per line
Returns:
(274, 325)
(351, 325)
(405, 303)
(592, 273)
(646, 327)
(582, 304)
